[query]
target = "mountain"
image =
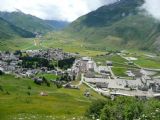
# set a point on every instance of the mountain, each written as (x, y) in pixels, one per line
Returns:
(8, 30)
(27, 22)
(119, 25)
(59, 25)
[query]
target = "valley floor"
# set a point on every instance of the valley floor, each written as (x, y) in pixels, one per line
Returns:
(20, 98)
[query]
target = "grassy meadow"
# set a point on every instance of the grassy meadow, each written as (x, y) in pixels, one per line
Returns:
(20, 99)
(51, 40)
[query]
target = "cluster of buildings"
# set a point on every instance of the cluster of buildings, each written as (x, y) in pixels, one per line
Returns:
(11, 63)
(102, 79)
(50, 54)
(89, 67)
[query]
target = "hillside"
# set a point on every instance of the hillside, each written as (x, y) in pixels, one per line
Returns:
(21, 99)
(8, 30)
(27, 22)
(58, 25)
(118, 25)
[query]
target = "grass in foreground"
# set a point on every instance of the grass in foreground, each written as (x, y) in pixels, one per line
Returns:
(20, 99)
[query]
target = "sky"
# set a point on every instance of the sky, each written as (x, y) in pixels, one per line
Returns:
(67, 10)
(153, 8)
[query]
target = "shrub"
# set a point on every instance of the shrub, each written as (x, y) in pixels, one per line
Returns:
(28, 93)
(59, 85)
(1, 88)
(29, 87)
(124, 108)
(1, 73)
(7, 93)
(94, 110)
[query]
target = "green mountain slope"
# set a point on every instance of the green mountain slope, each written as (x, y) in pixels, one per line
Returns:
(27, 22)
(58, 25)
(8, 30)
(119, 25)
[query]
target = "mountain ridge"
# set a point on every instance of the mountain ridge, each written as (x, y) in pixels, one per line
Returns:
(122, 20)
(9, 30)
(32, 23)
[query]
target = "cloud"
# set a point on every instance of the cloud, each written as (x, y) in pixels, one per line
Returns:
(153, 8)
(67, 10)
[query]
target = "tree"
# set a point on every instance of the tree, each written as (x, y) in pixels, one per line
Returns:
(151, 110)
(123, 108)
(18, 52)
(66, 63)
(94, 110)
(65, 77)
(1, 88)
(46, 81)
(1, 73)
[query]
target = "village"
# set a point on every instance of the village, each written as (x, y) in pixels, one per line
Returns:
(35, 61)
(103, 80)
(99, 78)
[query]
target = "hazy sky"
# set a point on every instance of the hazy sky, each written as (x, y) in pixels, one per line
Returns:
(153, 8)
(67, 10)
(53, 9)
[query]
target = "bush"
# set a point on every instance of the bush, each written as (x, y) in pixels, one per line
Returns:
(1, 88)
(46, 81)
(28, 93)
(66, 63)
(124, 108)
(65, 77)
(7, 93)
(94, 110)
(35, 62)
(121, 109)
(59, 85)
(1, 73)
(48, 84)
(29, 87)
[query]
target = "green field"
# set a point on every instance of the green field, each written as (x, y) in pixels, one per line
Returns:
(148, 62)
(119, 71)
(145, 61)
(48, 76)
(16, 103)
(51, 40)
(117, 60)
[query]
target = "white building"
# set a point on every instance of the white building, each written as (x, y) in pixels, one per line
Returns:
(91, 65)
(1, 69)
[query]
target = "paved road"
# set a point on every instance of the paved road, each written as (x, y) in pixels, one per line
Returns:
(110, 69)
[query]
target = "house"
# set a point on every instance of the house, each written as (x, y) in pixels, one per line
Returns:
(38, 81)
(87, 94)
(101, 85)
(130, 74)
(91, 65)
(30, 73)
(1, 69)
(89, 74)
(103, 70)
(109, 63)
(43, 93)
(68, 85)
(130, 63)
